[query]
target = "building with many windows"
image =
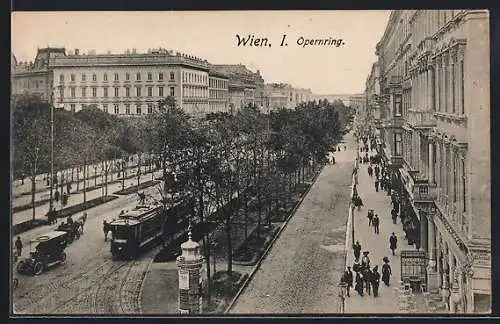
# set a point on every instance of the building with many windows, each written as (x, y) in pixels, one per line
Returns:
(35, 78)
(218, 91)
(130, 83)
(435, 112)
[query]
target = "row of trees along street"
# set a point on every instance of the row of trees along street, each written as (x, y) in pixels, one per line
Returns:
(81, 139)
(226, 161)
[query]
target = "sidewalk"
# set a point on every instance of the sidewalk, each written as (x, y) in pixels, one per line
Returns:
(77, 198)
(45, 192)
(378, 246)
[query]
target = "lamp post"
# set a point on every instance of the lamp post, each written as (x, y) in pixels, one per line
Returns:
(51, 203)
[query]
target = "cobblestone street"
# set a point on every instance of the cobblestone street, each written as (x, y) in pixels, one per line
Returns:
(301, 272)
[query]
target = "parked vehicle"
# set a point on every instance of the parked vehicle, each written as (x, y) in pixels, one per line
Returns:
(47, 250)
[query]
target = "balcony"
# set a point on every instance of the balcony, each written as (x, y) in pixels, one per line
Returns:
(397, 161)
(421, 119)
(424, 191)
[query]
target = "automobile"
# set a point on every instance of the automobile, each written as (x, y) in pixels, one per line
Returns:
(46, 251)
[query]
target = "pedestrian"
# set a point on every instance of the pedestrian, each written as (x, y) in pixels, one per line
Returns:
(376, 223)
(365, 261)
(377, 171)
(69, 220)
(375, 280)
(349, 280)
(19, 246)
(105, 228)
(64, 199)
(370, 217)
(393, 240)
(357, 251)
(359, 284)
(394, 215)
(377, 182)
(386, 271)
(367, 277)
(333, 159)
(370, 171)
(56, 195)
(68, 187)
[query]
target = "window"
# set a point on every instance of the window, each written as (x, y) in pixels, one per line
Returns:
(397, 105)
(72, 107)
(117, 110)
(94, 92)
(464, 187)
(160, 76)
(150, 108)
(150, 76)
(116, 92)
(446, 90)
(84, 92)
(116, 77)
(160, 91)
(72, 92)
(61, 92)
(462, 93)
(398, 145)
(172, 91)
(61, 78)
(127, 109)
(105, 107)
(455, 180)
(72, 77)
(94, 77)
(150, 91)
(105, 92)
(138, 92)
(105, 77)
(453, 88)
(127, 92)
(138, 77)
(138, 109)
(84, 77)
(172, 76)
(127, 76)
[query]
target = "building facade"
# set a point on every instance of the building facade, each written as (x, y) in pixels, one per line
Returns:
(130, 83)
(435, 112)
(35, 78)
(218, 92)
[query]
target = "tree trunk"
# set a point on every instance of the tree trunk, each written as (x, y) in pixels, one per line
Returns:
(229, 246)
(106, 170)
(123, 173)
(78, 179)
(138, 170)
(84, 180)
(33, 188)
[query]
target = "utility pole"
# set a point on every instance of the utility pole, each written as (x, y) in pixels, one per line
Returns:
(51, 205)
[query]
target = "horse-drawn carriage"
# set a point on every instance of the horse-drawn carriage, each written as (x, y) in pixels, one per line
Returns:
(72, 229)
(46, 250)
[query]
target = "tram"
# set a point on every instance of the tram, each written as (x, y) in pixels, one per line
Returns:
(135, 229)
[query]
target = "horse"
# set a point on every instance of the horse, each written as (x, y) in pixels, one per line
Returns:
(81, 222)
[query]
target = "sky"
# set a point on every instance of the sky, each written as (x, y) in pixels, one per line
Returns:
(326, 69)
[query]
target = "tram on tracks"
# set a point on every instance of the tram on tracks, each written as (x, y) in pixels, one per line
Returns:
(149, 222)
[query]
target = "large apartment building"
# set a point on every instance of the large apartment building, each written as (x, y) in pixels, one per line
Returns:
(434, 101)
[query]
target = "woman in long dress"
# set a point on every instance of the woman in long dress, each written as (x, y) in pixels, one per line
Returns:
(359, 284)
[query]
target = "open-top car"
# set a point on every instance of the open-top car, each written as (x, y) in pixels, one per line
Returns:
(46, 250)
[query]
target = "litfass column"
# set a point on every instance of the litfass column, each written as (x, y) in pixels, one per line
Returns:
(190, 265)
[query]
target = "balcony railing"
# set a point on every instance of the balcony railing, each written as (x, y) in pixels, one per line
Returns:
(397, 161)
(421, 118)
(424, 191)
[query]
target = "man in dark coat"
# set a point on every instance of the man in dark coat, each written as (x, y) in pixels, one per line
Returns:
(377, 171)
(370, 217)
(370, 171)
(347, 278)
(367, 277)
(56, 196)
(359, 284)
(105, 228)
(394, 215)
(376, 224)
(377, 182)
(375, 280)
(19, 246)
(357, 251)
(393, 241)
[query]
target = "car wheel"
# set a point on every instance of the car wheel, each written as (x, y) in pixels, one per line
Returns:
(38, 268)
(63, 256)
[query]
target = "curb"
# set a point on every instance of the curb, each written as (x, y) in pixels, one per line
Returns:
(264, 255)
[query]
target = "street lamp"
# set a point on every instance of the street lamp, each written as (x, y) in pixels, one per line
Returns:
(342, 294)
(51, 202)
